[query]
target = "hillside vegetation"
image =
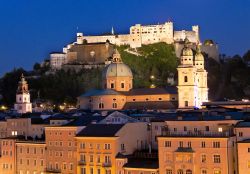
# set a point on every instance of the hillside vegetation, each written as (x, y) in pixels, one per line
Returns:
(227, 80)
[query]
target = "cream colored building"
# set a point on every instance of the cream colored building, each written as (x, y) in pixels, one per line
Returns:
(192, 78)
(198, 147)
(57, 60)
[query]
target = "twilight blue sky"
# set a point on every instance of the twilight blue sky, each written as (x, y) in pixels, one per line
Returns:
(30, 29)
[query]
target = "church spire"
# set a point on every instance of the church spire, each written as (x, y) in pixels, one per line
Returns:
(22, 85)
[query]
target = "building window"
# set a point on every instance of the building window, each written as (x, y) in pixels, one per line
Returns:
(169, 171)
(203, 171)
(179, 171)
(185, 128)
(82, 145)
(203, 158)
(181, 144)
(122, 85)
(122, 146)
(189, 144)
(185, 79)
(217, 172)
(114, 105)
(167, 143)
(189, 171)
(216, 158)
(220, 129)
(112, 85)
(203, 144)
(107, 146)
(186, 103)
(207, 128)
(160, 98)
(101, 105)
(240, 134)
(216, 144)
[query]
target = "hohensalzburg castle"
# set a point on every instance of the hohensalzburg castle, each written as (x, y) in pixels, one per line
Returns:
(145, 34)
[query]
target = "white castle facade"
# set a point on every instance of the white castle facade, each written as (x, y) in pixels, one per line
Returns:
(145, 34)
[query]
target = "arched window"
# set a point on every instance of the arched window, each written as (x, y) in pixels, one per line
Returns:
(203, 171)
(185, 79)
(189, 171)
(186, 103)
(180, 171)
(122, 85)
(101, 105)
(169, 171)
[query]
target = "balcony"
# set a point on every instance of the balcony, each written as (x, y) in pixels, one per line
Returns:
(106, 164)
(82, 163)
(49, 170)
(197, 134)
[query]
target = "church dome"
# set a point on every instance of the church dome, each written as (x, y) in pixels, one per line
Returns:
(199, 56)
(187, 51)
(117, 70)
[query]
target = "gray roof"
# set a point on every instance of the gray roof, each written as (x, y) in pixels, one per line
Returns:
(142, 163)
(100, 130)
(97, 92)
(243, 124)
(84, 120)
(150, 105)
(117, 70)
(152, 91)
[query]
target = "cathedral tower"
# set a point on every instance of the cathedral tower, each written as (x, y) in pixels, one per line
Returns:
(192, 78)
(23, 104)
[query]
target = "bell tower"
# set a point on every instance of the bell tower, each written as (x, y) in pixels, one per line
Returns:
(187, 87)
(23, 104)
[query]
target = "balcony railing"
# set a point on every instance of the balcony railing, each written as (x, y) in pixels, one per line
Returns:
(197, 134)
(51, 170)
(106, 164)
(82, 162)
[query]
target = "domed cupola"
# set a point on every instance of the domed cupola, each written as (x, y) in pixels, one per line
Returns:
(187, 54)
(199, 58)
(117, 75)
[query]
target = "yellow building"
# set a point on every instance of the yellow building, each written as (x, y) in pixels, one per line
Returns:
(99, 144)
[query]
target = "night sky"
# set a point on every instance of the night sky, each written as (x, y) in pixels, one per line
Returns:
(31, 29)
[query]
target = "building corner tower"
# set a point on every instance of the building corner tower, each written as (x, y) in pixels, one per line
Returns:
(23, 104)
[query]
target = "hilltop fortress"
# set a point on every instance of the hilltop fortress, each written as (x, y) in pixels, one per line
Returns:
(145, 34)
(94, 51)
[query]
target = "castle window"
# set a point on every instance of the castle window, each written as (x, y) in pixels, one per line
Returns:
(146, 99)
(101, 105)
(133, 99)
(112, 85)
(114, 105)
(216, 158)
(185, 79)
(186, 103)
(160, 98)
(122, 85)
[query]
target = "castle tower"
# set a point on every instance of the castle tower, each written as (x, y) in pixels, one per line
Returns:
(23, 104)
(196, 29)
(117, 75)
